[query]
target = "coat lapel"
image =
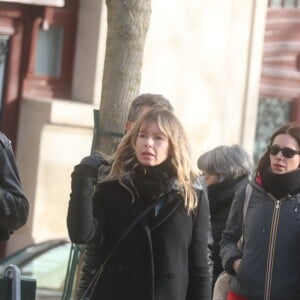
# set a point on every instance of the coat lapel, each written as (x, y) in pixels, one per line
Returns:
(166, 205)
(170, 202)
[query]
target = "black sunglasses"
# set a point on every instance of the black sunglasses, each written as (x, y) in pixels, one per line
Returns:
(286, 152)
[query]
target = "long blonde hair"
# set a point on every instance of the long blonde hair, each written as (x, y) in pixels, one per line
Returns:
(124, 158)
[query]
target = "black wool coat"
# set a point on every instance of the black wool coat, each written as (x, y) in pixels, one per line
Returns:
(163, 257)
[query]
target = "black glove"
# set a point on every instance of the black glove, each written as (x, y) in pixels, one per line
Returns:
(95, 160)
(83, 170)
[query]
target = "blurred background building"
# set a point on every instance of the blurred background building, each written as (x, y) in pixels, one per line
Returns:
(230, 68)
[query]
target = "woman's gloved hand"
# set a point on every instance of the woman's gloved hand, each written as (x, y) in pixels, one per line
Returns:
(83, 170)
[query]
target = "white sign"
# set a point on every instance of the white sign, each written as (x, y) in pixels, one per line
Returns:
(38, 2)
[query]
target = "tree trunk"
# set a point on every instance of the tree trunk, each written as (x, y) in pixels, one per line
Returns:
(127, 26)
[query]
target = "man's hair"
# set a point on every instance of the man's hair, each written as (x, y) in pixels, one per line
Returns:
(156, 101)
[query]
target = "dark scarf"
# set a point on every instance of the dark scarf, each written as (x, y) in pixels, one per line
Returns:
(280, 185)
(221, 194)
(151, 182)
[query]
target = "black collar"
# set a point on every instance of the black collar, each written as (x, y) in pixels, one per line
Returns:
(280, 185)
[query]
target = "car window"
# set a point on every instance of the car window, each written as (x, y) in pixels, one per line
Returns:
(49, 268)
(21, 255)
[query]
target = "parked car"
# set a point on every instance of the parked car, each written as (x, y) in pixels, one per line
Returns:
(46, 262)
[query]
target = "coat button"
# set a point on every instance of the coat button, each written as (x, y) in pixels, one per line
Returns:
(170, 275)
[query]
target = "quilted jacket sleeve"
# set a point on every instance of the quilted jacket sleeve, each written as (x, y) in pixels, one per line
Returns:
(229, 250)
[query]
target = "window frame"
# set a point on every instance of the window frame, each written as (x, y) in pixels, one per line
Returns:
(48, 86)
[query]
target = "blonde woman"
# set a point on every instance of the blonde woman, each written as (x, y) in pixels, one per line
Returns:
(164, 255)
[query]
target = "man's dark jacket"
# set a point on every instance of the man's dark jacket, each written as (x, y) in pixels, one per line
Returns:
(13, 204)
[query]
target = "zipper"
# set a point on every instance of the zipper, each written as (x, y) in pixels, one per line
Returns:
(271, 250)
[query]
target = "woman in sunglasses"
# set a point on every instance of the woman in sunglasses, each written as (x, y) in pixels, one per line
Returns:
(268, 266)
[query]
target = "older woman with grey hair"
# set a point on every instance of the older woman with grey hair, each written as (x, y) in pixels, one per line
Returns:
(226, 169)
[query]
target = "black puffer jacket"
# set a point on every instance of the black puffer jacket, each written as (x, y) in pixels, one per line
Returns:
(14, 205)
(270, 265)
(220, 197)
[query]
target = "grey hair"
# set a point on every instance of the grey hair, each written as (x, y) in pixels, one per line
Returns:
(228, 162)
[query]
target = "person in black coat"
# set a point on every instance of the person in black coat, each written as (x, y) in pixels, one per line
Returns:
(14, 205)
(226, 169)
(86, 173)
(164, 256)
(268, 265)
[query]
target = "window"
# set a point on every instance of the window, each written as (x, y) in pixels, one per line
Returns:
(284, 3)
(49, 51)
(272, 113)
(3, 55)
(38, 2)
(49, 269)
(50, 62)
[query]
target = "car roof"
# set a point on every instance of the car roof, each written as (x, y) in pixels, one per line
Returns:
(30, 251)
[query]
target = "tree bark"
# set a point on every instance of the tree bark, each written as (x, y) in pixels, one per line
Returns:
(127, 27)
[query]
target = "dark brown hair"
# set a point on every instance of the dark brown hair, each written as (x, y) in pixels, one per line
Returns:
(293, 129)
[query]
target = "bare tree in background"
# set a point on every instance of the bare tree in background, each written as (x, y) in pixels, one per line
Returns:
(127, 27)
